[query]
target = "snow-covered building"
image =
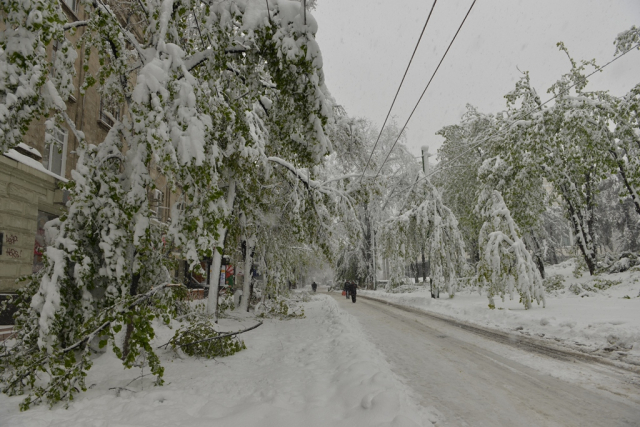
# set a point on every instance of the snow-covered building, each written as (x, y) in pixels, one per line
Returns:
(31, 173)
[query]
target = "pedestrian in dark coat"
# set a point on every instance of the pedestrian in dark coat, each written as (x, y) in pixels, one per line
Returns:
(354, 288)
(347, 287)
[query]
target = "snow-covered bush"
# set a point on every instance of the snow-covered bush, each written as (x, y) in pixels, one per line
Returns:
(603, 284)
(468, 282)
(579, 267)
(575, 289)
(553, 283)
(626, 261)
(407, 288)
(593, 286)
(623, 264)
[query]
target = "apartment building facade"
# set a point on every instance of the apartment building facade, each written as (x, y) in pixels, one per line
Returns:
(32, 173)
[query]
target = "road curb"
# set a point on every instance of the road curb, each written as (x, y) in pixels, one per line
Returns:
(515, 340)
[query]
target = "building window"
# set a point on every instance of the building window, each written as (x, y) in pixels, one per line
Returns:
(156, 200)
(55, 151)
(72, 5)
(109, 112)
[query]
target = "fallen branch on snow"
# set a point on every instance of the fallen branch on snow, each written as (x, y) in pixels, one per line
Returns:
(213, 338)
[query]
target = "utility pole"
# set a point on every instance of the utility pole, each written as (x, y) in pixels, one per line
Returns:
(425, 159)
(373, 247)
(425, 169)
(304, 8)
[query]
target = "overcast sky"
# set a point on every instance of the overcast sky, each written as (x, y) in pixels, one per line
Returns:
(366, 45)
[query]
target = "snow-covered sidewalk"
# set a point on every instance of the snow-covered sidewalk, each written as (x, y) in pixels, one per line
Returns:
(598, 315)
(315, 371)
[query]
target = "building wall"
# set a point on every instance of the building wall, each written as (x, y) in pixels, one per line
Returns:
(28, 196)
(26, 193)
(83, 110)
(23, 192)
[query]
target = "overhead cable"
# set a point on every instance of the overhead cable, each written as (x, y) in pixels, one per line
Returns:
(425, 89)
(398, 91)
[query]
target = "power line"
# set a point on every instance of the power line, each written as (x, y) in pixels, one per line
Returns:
(427, 87)
(398, 91)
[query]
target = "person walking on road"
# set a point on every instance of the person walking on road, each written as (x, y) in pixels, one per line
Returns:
(353, 291)
(347, 287)
(314, 286)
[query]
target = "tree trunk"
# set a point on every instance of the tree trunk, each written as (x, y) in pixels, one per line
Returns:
(216, 264)
(535, 248)
(583, 240)
(133, 290)
(581, 229)
(248, 262)
(632, 191)
(554, 255)
(214, 288)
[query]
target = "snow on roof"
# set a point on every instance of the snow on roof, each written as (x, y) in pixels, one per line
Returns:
(25, 160)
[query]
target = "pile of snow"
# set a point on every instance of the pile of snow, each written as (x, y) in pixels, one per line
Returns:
(316, 371)
(598, 315)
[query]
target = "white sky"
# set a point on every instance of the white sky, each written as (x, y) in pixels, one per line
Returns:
(366, 45)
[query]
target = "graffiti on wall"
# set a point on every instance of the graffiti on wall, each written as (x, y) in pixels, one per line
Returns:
(14, 253)
(12, 239)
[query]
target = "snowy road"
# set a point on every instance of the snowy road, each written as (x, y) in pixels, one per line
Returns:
(472, 381)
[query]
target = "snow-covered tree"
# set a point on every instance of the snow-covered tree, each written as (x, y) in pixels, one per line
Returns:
(566, 143)
(617, 227)
(521, 187)
(279, 107)
(465, 147)
(505, 266)
(557, 232)
(426, 224)
(353, 247)
(625, 143)
(215, 95)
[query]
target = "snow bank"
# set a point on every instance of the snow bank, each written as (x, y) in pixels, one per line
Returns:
(604, 322)
(316, 371)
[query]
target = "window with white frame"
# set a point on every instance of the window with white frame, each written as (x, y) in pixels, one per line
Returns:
(72, 5)
(55, 151)
(156, 200)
